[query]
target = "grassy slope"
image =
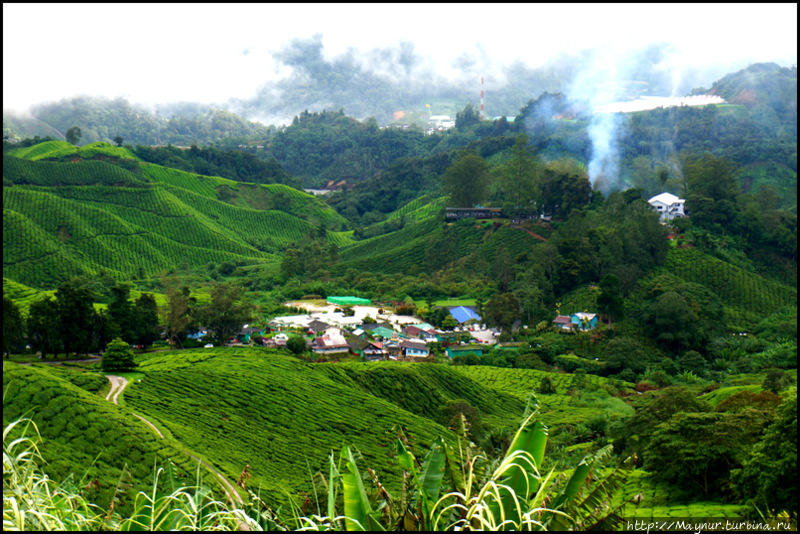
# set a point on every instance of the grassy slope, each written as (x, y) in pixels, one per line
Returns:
(283, 416)
(274, 412)
(62, 219)
(60, 149)
(82, 433)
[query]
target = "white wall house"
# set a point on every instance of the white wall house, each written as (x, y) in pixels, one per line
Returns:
(668, 206)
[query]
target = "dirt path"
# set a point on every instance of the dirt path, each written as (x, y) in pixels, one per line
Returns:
(537, 236)
(118, 384)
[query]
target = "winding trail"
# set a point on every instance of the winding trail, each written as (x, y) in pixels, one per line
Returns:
(118, 383)
(537, 236)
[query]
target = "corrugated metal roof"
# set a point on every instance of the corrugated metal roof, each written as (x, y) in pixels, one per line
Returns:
(463, 314)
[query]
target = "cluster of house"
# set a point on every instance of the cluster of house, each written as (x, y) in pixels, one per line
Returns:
(396, 338)
(339, 334)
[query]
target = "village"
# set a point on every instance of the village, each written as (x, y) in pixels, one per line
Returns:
(341, 326)
(347, 326)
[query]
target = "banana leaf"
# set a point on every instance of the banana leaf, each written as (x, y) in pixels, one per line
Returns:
(357, 508)
(519, 476)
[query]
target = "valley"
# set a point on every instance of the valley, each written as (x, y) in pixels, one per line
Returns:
(292, 354)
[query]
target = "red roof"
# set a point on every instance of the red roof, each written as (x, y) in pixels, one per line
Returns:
(562, 319)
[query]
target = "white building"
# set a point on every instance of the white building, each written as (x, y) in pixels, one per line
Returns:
(668, 206)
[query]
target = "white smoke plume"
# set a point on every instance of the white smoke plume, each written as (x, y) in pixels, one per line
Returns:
(600, 83)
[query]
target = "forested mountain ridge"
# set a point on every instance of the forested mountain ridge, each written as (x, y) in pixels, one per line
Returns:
(103, 119)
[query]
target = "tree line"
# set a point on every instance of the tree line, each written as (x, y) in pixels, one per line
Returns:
(69, 323)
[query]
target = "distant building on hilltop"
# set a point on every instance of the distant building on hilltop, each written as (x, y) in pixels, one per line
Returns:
(668, 206)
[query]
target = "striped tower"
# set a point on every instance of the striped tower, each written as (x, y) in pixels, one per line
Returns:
(481, 97)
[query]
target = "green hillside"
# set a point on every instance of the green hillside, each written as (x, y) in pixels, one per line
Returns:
(80, 428)
(61, 149)
(62, 219)
(747, 296)
(277, 414)
(280, 415)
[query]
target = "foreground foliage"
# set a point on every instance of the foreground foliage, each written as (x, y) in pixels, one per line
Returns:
(509, 493)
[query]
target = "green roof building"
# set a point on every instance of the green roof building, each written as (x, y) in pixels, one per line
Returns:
(349, 301)
(382, 331)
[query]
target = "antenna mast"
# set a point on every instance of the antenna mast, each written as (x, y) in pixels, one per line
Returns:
(482, 117)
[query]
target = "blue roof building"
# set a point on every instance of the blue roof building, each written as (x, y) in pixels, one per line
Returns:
(462, 314)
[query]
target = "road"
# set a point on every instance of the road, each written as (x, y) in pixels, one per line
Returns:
(118, 384)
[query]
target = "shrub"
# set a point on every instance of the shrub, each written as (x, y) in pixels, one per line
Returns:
(546, 386)
(118, 356)
(296, 344)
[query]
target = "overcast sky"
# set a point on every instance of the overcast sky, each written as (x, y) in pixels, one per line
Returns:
(157, 53)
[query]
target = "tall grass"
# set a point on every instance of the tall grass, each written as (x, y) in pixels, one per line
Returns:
(31, 501)
(510, 493)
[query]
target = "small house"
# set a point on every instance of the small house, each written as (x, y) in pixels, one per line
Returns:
(668, 206)
(460, 350)
(383, 332)
(331, 342)
(584, 321)
(375, 351)
(316, 326)
(198, 334)
(392, 348)
(246, 334)
(413, 331)
(414, 349)
(280, 339)
(563, 321)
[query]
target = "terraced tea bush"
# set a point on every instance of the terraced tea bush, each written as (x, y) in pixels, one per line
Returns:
(737, 288)
(82, 429)
(260, 407)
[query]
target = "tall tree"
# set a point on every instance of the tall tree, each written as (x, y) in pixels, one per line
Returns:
(118, 356)
(518, 181)
(467, 181)
(227, 311)
(120, 312)
(467, 117)
(145, 319)
(77, 317)
(609, 300)
(670, 320)
(502, 310)
(43, 327)
(13, 327)
(565, 186)
(769, 472)
(73, 135)
(712, 190)
(179, 316)
(502, 268)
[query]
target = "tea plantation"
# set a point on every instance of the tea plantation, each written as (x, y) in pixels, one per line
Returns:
(65, 216)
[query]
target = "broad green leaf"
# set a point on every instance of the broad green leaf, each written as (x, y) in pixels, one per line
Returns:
(531, 438)
(433, 471)
(406, 458)
(575, 482)
(357, 509)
